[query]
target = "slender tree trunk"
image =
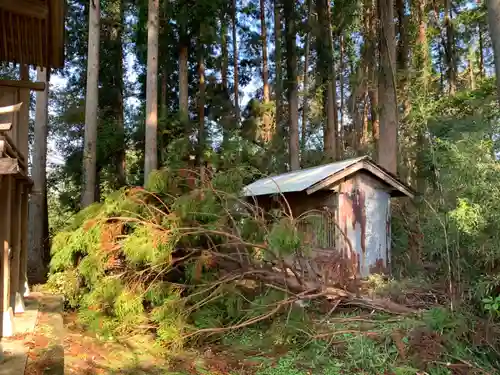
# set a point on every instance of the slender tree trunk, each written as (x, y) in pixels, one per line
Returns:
(37, 269)
(494, 25)
(341, 67)
(91, 106)
(403, 56)
(279, 74)
(227, 118)
(481, 52)
(388, 142)
(306, 75)
(372, 61)
(423, 68)
(183, 82)
(164, 76)
(225, 53)
(422, 47)
(164, 93)
(268, 132)
(201, 104)
(364, 132)
(375, 116)
(450, 49)
(235, 64)
(472, 76)
(151, 148)
(326, 68)
(441, 71)
(292, 87)
(117, 36)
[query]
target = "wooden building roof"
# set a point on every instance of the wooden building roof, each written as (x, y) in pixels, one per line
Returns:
(324, 176)
(32, 32)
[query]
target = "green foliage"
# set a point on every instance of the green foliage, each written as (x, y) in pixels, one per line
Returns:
(492, 305)
(284, 237)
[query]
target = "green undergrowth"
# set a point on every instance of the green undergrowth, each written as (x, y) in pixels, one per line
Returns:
(142, 263)
(437, 342)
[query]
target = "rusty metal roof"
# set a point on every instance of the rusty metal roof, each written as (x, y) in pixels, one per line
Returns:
(323, 176)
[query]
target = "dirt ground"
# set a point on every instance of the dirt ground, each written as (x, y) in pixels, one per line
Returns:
(60, 346)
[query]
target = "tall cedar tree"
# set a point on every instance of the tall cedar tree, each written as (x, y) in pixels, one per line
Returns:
(324, 46)
(235, 62)
(268, 132)
(494, 24)
(388, 142)
(292, 86)
(91, 106)
(151, 152)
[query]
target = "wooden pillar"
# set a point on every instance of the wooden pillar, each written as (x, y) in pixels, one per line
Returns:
(15, 236)
(2, 180)
(5, 231)
(24, 115)
(23, 146)
(23, 259)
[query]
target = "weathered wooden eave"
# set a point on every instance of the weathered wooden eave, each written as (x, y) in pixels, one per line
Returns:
(32, 32)
(9, 150)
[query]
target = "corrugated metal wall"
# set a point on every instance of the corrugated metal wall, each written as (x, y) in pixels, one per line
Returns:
(364, 216)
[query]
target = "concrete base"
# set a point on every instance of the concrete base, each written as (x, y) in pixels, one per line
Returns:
(8, 323)
(15, 351)
(19, 306)
(26, 289)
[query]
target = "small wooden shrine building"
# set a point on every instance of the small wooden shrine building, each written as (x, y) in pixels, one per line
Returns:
(349, 202)
(31, 35)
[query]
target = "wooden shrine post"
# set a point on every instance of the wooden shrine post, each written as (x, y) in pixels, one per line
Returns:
(5, 234)
(23, 259)
(23, 189)
(15, 236)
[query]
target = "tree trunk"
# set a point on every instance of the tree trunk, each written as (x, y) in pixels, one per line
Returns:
(422, 47)
(278, 57)
(225, 53)
(306, 75)
(341, 67)
(481, 52)
(37, 269)
(494, 24)
(372, 61)
(164, 93)
(91, 105)
(388, 142)
(267, 131)
(227, 119)
(327, 70)
(375, 116)
(450, 49)
(292, 87)
(183, 82)
(116, 38)
(151, 148)
(235, 64)
(403, 56)
(472, 76)
(364, 131)
(201, 104)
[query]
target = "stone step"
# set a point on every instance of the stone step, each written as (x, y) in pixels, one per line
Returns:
(13, 349)
(36, 348)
